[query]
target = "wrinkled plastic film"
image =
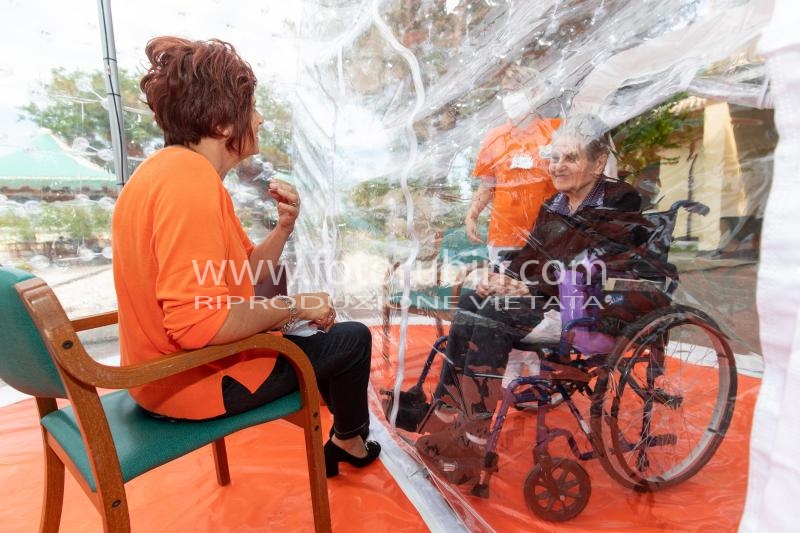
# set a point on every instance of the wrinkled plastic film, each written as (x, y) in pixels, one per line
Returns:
(399, 114)
(615, 59)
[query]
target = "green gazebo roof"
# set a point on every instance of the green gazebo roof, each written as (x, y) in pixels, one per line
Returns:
(47, 162)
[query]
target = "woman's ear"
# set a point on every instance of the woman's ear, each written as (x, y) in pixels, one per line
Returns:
(223, 132)
(600, 164)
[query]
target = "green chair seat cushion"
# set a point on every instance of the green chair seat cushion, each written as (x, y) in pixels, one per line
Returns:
(439, 298)
(144, 442)
(456, 246)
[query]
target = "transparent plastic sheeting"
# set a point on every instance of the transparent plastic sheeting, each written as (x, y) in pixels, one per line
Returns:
(774, 467)
(406, 112)
(401, 117)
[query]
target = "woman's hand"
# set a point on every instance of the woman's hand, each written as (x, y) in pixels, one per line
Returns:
(288, 202)
(317, 308)
(495, 284)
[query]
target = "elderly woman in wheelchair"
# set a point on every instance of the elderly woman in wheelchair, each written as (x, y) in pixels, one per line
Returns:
(600, 266)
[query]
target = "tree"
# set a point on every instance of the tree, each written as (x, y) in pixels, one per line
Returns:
(642, 140)
(73, 108)
(276, 143)
(642, 143)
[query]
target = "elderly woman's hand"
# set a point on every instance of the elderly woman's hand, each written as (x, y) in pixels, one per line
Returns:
(482, 288)
(288, 202)
(500, 285)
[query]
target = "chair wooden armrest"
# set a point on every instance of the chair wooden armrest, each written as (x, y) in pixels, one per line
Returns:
(68, 350)
(99, 320)
(458, 284)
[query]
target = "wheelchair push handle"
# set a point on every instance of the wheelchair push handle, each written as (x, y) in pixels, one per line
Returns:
(697, 208)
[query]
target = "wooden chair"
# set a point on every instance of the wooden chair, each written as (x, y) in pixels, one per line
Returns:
(438, 301)
(105, 441)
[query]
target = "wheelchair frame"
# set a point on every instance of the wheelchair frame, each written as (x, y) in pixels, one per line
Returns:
(558, 488)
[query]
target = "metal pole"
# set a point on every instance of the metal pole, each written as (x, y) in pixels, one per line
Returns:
(111, 77)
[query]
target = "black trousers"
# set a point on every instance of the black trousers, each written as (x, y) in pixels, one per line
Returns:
(341, 360)
(482, 334)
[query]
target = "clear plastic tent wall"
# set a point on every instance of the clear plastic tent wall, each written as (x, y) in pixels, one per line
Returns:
(406, 111)
(400, 118)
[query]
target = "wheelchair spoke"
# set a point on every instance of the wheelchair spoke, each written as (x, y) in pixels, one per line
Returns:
(668, 399)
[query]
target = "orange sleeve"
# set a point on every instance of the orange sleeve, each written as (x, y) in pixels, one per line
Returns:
(189, 243)
(554, 124)
(487, 158)
(246, 242)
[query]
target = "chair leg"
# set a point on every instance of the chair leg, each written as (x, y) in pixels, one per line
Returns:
(112, 503)
(316, 476)
(53, 491)
(386, 328)
(221, 462)
(439, 326)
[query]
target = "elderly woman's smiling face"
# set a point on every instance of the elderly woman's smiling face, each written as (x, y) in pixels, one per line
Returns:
(573, 172)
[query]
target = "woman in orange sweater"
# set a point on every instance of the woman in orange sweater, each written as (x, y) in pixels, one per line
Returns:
(179, 252)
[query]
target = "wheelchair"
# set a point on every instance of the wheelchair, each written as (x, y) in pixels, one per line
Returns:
(661, 391)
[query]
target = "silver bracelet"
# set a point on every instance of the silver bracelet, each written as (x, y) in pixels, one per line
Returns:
(292, 312)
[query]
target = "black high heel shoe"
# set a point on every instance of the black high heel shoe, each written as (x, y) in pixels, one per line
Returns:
(335, 455)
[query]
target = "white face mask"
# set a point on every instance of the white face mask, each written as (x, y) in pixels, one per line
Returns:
(516, 105)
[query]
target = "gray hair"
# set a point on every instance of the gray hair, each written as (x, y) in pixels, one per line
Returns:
(590, 131)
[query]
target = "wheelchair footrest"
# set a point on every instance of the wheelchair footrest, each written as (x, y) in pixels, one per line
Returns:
(481, 490)
(411, 410)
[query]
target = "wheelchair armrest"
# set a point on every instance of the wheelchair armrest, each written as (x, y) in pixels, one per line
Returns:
(578, 322)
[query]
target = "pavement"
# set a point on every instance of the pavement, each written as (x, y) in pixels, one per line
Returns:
(726, 289)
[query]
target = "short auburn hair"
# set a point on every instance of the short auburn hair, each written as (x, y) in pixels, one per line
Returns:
(197, 87)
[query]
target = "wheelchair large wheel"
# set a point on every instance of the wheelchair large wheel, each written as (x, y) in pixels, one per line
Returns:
(665, 398)
(559, 493)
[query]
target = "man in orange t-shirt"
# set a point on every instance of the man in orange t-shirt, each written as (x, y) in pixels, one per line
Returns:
(512, 170)
(515, 178)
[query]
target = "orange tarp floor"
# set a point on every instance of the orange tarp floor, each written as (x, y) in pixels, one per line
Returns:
(269, 486)
(268, 491)
(712, 500)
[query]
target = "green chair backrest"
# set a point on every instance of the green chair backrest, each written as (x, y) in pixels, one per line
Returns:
(25, 363)
(456, 247)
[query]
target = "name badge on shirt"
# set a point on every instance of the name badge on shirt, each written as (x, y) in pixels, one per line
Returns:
(523, 161)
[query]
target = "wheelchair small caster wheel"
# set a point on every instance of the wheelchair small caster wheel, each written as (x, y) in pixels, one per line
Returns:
(559, 493)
